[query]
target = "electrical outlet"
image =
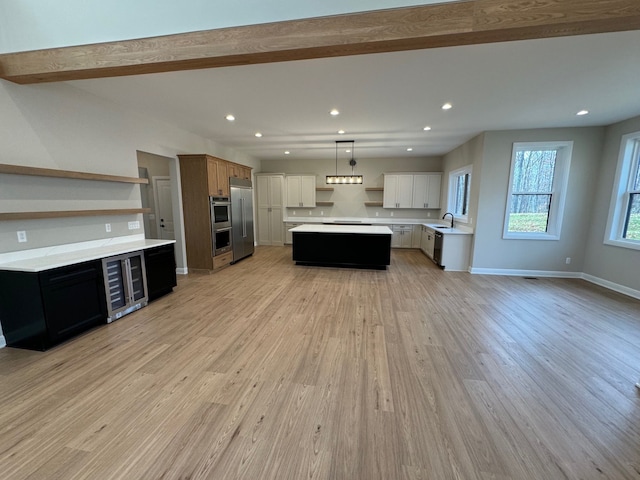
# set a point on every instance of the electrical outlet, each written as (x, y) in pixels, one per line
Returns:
(428, 214)
(107, 227)
(322, 213)
(309, 212)
(377, 213)
(294, 212)
(567, 260)
(22, 236)
(392, 214)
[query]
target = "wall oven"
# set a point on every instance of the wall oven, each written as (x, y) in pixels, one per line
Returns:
(220, 212)
(221, 241)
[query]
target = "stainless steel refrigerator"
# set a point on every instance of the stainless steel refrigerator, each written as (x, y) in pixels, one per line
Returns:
(241, 218)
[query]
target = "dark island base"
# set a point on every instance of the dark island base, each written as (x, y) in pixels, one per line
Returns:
(348, 250)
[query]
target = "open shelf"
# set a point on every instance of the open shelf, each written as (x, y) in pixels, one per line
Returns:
(324, 204)
(49, 172)
(374, 189)
(71, 213)
(324, 189)
(373, 204)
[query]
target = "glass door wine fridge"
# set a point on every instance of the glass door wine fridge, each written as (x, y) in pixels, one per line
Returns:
(125, 283)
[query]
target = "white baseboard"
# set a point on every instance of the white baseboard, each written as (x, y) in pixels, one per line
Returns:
(182, 271)
(616, 287)
(3, 343)
(524, 273)
(558, 274)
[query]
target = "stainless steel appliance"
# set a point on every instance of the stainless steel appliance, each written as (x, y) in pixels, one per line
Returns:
(241, 218)
(220, 212)
(125, 284)
(221, 241)
(437, 248)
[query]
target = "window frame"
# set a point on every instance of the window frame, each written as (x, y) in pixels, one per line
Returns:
(628, 163)
(564, 151)
(452, 194)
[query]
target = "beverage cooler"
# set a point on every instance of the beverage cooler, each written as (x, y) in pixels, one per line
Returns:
(125, 283)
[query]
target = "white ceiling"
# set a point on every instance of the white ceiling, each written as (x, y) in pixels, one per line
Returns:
(385, 100)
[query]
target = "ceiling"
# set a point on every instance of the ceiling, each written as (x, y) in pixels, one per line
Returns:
(385, 100)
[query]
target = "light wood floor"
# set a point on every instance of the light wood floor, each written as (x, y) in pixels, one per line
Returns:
(270, 371)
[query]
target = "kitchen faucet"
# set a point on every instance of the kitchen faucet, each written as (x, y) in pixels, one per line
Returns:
(449, 213)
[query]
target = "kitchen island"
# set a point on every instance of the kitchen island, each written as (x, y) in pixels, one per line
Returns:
(356, 246)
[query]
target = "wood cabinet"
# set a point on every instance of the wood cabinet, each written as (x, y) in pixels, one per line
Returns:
(398, 191)
(160, 263)
(39, 310)
(426, 190)
(202, 176)
(270, 199)
(301, 191)
(412, 190)
(236, 170)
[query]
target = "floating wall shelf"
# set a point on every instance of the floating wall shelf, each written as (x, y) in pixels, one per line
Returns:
(48, 172)
(324, 189)
(373, 204)
(71, 213)
(374, 189)
(324, 204)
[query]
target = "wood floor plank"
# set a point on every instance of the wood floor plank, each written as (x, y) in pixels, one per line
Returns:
(269, 370)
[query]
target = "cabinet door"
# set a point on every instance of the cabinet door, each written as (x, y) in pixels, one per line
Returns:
(212, 178)
(222, 177)
(390, 192)
(396, 239)
(160, 264)
(420, 191)
(276, 192)
(294, 191)
(264, 225)
(245, 172)
(433, 197)
(405, 191)
(308, 190)
(276, 226)
(233, 170)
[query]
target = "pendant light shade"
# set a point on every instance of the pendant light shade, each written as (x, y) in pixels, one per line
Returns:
(345, 179)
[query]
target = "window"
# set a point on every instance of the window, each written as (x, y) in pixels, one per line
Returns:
(623, 226)
(459, 189)
(537, 187)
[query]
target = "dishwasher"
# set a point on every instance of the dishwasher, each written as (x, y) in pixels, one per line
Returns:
(437, 249)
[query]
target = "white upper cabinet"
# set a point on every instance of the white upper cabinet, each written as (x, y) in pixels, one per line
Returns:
(412, 190)
(426, 190)
(398, 190)
(301, 190)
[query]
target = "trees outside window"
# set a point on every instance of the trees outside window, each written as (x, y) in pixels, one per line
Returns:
(537, 187)
(459, 192)
(623, 226)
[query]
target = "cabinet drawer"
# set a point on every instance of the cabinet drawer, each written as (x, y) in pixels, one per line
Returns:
(223, 260)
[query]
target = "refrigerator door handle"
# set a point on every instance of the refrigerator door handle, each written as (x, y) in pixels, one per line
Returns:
(244, 220)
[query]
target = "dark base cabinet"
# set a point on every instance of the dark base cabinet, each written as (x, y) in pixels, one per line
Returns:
(342, 250)
(161, 270)
(39, 310)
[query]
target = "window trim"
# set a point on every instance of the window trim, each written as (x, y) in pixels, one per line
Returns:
(451, 200)
(628, 156)
(558, 194)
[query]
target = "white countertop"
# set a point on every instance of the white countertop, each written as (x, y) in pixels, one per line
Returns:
(433, 224)
(358, 229)
(41, 259)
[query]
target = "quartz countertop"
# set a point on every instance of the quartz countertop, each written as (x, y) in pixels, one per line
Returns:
(47, 258)
(447, 230)
(433, 224)
(357, 229)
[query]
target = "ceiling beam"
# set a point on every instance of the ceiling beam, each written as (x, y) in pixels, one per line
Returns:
(410, 28)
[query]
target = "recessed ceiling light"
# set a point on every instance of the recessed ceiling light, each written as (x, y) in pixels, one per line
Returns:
(409, 149)
(334, 112)
(287, 152)
(583, 112)
(258, 134)
(341, 132)
(427, 128)
(230, 117)
(447, 106)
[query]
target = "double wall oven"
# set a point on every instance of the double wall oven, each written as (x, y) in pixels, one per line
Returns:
(221, 224)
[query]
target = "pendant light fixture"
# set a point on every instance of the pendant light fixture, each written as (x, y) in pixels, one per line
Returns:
(345, 179)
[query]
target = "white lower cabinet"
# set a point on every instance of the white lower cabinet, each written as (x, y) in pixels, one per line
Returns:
(288, 236)
(402, 236)
(427, 241)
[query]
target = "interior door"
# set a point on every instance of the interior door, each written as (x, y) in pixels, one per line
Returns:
(164, 207)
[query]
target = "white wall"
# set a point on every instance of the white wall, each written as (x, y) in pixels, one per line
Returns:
(491, 251)
(36, 24)
(614, 264)
(61, 127)
(349, 199)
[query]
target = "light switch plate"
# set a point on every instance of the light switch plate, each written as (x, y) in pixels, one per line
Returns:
(107, 227)
(134, 225)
